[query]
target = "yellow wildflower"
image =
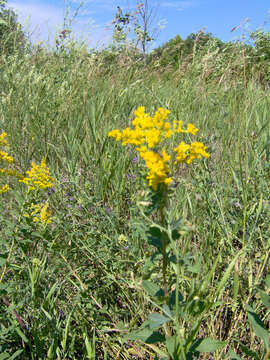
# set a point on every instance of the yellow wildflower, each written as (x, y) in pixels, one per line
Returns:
(197, 149)
(187, 153)
(38, 177)
(5, 157)
(4, 189)
(148, 135)
(182, 152)
(11, 172)
(115, 134)
(191, 129)
(45, 214)
(3, 141)
(40, 213)
(157, 165)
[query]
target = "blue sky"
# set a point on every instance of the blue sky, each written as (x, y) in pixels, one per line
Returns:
(44, 17)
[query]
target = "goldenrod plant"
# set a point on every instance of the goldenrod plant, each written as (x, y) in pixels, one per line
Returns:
(154, 139)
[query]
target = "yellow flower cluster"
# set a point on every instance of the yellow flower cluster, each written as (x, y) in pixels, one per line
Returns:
(187, 153)
(4, 188)
(148, 135)
(3, 141)
(5, 157)
(38, 177)
(5, 160)
(157, 164)
(40, 213)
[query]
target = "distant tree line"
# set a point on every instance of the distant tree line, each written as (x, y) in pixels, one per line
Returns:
(200, 54)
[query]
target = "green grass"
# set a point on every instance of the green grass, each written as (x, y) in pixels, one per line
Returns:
(83, 291)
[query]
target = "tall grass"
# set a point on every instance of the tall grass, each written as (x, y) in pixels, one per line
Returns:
(78, 292)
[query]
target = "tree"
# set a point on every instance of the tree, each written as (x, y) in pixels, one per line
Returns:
(176, 49)
(146, 28)
(138, 28)
(168, 53)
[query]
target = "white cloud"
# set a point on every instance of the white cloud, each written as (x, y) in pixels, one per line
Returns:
(39, 19)
(43, 21)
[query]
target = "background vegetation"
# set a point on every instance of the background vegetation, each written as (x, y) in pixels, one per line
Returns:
(73, 289)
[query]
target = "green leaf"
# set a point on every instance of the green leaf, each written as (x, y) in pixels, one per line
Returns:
(4, 288)
(16, 354)
(155, 235)
(171, 345)
(3, 259)
(192, 335)
(166, 310)
(172, 299)
(152, 289)
(265, 299)
(46, 313)
(258, 326)
(158, 319)
(21, 334)
(251, 354)
(267, 280)
(4, 356)
(207, 345)
(225, 277)
(146, 335)
(176, 227)
(195, 269)
(150, 265)
(234, 356)
(175, 234)
(155, 242)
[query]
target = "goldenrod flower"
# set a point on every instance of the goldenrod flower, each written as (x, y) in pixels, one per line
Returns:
(11, 172)
(38, 177)
(40, 213)
(148, 135)
(5, 157)
(4, 189)
(182, 152)
(157, 165)
(187, 153)
(3, 141)
(191, 129)
(5, 160)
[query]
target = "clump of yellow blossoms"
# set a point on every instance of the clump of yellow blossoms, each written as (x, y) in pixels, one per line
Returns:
(40, 213)
(5, 161)
(149, 135)
(38, 177)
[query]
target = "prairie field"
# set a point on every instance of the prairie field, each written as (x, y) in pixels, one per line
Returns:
(110, 271)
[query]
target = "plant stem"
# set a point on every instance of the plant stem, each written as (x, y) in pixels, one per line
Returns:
(164, 255)
(164, 244)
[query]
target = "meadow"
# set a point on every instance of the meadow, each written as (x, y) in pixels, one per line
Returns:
(89, 283)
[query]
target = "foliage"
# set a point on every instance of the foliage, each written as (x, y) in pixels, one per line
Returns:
(206, 57)
(176, 50)
(12, 36)
(78, 285)
(257, 326)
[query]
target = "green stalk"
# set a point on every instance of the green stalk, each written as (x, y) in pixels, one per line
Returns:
(164, 244)
(164, 196)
